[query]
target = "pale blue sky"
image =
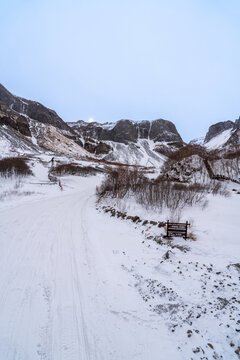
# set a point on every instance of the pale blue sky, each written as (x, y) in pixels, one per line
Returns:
(135, 59)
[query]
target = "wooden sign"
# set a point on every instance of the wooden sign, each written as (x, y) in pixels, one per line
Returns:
(177, 229)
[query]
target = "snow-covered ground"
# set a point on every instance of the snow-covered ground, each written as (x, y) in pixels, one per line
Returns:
(76, 283)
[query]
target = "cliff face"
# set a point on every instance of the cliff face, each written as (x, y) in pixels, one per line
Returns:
(125, 131)
(145, 142)
(218, 128)
(221, 134)
(16, 121)
(32, 109)
(29, 126)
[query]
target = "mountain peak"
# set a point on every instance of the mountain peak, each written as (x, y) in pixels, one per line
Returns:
(32, 109)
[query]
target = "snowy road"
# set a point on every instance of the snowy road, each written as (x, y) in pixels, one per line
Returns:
(63, 293)
(77, 284)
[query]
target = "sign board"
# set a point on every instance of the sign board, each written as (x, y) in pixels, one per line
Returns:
(177, 229)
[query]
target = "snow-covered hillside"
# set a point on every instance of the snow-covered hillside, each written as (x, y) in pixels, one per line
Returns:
(13, 143)
(133, 142)
(223, 134)
(142, 153)
(44, 138)
(219, 141)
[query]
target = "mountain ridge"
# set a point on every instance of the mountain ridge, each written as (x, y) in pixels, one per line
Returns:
(143, 141)
(32, 109)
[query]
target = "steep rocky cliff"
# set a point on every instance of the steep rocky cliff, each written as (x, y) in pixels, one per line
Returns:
(144, 142)
(222, 134)
(125, 131)
(32, 109)
(27, 126)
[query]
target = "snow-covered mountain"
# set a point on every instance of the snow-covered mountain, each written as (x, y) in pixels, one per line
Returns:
(32, 109)
(73, 240)
(28, 126)
(125, 131)
(223, 134)
(144, 142)
(19, 134)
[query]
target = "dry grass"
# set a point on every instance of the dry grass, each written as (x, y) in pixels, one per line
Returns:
(74, 169)
(189, 150)
(14, 166)
(160, 193)
(192, 236)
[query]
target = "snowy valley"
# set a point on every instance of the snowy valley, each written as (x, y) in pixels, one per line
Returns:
(87, 271)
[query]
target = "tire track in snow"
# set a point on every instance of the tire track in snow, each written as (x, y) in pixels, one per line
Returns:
(38, 260)
(102, 347)
(17, 290)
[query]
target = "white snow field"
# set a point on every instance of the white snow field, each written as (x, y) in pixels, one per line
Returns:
(63, 293)
(77, 284)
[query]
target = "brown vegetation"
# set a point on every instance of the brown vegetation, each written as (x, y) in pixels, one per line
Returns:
(158, 193)
(120, 180)
(217, 164)
(189, 150)
(74, 169)
(14, 166)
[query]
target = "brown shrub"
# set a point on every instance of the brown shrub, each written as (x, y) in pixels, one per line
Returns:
(158, 193)
(192, 236)
(74, 169)
(189, 150)
(120, 180)
(14, 165)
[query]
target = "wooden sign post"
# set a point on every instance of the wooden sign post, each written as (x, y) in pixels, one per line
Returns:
(177, 229)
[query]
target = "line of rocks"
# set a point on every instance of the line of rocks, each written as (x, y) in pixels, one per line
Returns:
(135, 219)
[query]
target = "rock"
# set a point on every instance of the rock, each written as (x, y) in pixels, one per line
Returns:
(153, 222)
(236, 266)
(143, 128)
(163, 130)
(15, 121)
(136, 219)
(96, 147)
(167, 255)
(217, 129)
(102, 148)
(125, 131)
(75, 138)
(33, 109)
(234, 138)
(22, 125)
(90, 147)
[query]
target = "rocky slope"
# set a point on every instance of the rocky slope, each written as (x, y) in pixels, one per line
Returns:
(32, 109)
(223, 134)
(146, 142)
(29, 127)
(125, 131)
